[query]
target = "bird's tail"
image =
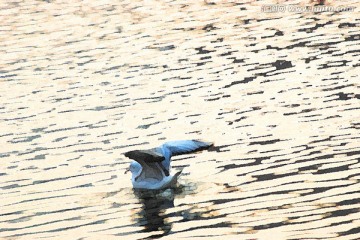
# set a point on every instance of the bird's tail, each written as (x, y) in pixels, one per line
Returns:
(175, 178)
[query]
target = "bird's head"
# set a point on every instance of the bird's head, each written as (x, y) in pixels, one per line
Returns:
(135, 168)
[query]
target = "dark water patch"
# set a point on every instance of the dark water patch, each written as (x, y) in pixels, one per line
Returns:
(88, 150)
(337, 88)
(236, 60)
(326, 156)
(317, 26)
(62, 99)
(223, 113)
(292, 105)
(236, 120)
(332, 170)
(190, 84)
(282, 64)
(59, 139)
(257, 92)
(218, 40)
(24, 139)
(230, 166)
(145, 118)
(341, 223)
(347, 202)
(102, 108)
(12, 186)
(130, 138)
(310, 116)
(246, 80)
(277, 33)
(341, 213)
(212, 99)
(272, 176)
(252, 109)
(49, 168)
(31, 226)
(202, 50)
(176, 92)
(65, 178)
(352, 231)
(220, 147)
(352, 153)
(227, 53)
(261, 136)
(4, 155)
(270, 225)
(271, 151)
(265, 142)
(355, 37)
(350, 109)
(67, 111)
(292, 46)
(202, 63)
(36, 130)
(334, 64)
(318, 190)
(86, 62)
(343, 96)
(11, 213)
(302, 111)
(83, 186)
(310, 59)
(131, 145)
(59, 211)
(225, 224)
(347, 25)
(209, 27)
(266, 19)
(166, 48)
(310, 167)
(346, 53)
(146, 126)
(90, 126)
(37, 199)
(38, 157)
(327, 139)
(204, 58)
(8, 76)
(58, 229)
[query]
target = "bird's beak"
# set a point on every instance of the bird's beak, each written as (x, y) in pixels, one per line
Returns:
(127, 170)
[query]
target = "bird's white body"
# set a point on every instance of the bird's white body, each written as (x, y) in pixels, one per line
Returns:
(152, 183)
(145, 180)
(151, 168)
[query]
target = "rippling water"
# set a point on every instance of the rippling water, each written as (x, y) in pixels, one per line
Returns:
(84, 82)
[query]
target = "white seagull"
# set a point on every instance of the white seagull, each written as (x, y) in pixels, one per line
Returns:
(151, 168)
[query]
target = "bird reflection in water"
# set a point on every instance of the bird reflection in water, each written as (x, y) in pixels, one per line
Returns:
(153, 217)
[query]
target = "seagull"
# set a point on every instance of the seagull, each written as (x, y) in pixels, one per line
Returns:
(151, 168)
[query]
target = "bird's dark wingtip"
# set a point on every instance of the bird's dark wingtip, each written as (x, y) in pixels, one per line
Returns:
(146, 155)
(204, 144)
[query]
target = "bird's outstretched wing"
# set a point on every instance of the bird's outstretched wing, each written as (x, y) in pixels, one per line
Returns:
(163, 153)
(185, 146)
(174, 148)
